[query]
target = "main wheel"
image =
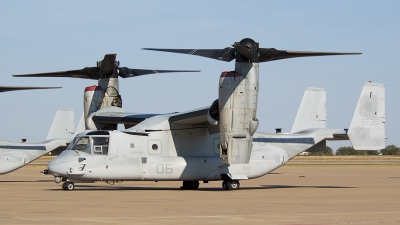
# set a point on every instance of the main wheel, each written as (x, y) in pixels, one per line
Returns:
(190, 185)
(68, 186)
(230, 184)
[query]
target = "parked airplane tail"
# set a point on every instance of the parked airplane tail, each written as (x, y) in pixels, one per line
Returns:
(312, 110)
(81, 125)
(63, 125)
(367, 128)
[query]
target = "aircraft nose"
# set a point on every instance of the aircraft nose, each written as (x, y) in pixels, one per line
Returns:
(57, 167)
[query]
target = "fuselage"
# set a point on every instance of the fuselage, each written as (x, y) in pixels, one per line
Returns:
(188, 154)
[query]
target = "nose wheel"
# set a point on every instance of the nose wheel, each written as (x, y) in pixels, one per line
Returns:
(230, 185)
(68, 186)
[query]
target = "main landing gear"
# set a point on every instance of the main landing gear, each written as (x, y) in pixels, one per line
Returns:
(190, 185)
(194, 185)
(230, 185)
(68, 186)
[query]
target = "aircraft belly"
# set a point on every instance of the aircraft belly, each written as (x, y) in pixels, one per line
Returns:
(266, 160)
(200, 168)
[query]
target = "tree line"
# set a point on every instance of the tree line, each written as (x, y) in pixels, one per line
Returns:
(348, 150)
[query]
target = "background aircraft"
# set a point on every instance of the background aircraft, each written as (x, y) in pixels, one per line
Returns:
(14, 155)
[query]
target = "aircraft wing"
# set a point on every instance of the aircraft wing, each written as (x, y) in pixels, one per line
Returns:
(190, 117)
(121, 118)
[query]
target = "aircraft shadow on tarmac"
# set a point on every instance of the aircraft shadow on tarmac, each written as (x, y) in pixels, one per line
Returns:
(24, 181)
(125, 188)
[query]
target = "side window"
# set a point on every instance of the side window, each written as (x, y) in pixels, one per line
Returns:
(100, 145)
(83, 145)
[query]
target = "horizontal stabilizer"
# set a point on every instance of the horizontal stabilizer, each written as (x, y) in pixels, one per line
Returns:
(367, 128)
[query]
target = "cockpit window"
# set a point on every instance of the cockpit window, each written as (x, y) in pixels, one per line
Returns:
(72, 142)
(100, 145)
(83, 145)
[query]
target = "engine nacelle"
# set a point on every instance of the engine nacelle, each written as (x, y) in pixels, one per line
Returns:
(99, 97)
(111, 94)
(237, 115)
(213, 113)
(92, 100)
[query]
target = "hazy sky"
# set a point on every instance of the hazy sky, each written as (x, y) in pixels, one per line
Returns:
(46, 36)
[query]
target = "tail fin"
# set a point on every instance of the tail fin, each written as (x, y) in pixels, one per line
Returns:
(63, 125)
(367, 128)
(81, 125)
(312, 110)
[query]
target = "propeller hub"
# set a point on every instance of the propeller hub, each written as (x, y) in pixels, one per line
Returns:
(249, 43)
(248, 50)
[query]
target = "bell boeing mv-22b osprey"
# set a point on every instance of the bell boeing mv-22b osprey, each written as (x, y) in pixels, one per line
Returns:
(214, 143)
(14, 155)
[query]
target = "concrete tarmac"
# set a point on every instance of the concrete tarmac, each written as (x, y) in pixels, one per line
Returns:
(289, 196)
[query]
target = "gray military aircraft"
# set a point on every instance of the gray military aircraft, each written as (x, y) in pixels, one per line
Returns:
(14, 155)
(186, 146)
(211, 143)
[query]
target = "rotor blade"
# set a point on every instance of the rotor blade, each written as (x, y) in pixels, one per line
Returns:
(85, 73)
(226, 54)
(270, 54)
(18, 88)
(107, 65)
(127, 72)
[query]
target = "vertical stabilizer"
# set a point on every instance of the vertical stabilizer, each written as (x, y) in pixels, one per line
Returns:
(367, 128)
(81, 125)
(312, 110)
(63, 125)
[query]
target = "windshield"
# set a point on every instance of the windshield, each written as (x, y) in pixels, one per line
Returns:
(83, 145)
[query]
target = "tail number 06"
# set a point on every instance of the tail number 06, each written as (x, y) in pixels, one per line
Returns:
(165, 168)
